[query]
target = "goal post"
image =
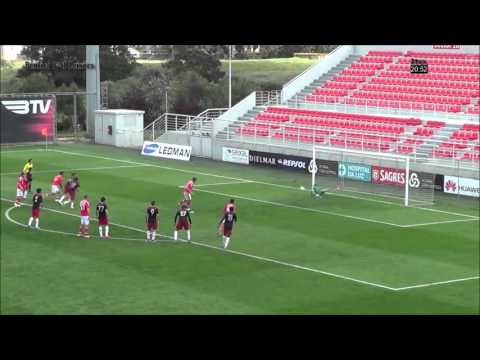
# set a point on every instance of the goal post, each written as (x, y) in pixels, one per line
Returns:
(372, 174)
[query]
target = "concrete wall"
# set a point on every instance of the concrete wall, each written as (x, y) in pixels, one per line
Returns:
(171, 137)
(364, 49)
(315, 71)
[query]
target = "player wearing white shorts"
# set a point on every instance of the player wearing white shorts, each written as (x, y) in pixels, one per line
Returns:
(57, 183)
(84, 217)
(22, 186)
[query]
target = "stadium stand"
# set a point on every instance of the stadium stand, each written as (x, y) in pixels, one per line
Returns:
(369, 132)
(357, 103)
(383, 79)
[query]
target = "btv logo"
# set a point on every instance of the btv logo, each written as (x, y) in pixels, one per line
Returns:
(450, 186)
(22, 107)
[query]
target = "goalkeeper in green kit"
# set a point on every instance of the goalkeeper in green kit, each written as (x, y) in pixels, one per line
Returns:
(318, 191)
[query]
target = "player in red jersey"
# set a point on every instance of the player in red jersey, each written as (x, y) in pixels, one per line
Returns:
(36, 203)
(228, 220)
(182, 221)
(102, 216)
(84, 216)
(21, 189)
(151, 221)
(187, 193)
(56, 185)
(230, 204)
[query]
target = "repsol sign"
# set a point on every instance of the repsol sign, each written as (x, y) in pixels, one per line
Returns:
(291, 162)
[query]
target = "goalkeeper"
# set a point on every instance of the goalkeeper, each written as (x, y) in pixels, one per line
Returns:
(318, 191)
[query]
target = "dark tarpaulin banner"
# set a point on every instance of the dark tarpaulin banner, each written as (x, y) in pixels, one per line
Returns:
(27, 118)
(291, 162)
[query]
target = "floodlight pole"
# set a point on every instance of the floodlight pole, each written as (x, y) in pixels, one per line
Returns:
(230, 77)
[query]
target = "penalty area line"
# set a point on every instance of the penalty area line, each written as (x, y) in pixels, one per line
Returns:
(437, 283)
(226, 183)
(78, 216)
(299, 207)
(438, 223)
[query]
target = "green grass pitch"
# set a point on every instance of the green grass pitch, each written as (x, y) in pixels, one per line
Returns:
(290, 253)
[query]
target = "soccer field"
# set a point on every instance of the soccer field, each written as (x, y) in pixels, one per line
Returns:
(290, 253)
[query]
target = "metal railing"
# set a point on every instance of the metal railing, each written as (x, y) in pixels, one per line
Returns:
(180, 123)
(269, 97)
(311, 67)
(377, 106)
(301, 136)
(212, 113)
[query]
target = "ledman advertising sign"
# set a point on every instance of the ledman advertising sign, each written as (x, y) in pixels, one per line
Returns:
(168, 151)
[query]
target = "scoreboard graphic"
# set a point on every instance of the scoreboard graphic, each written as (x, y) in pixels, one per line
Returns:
(27, 118)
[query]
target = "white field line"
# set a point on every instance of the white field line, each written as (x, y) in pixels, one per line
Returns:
(387, 195)
(232, 178)
(449, 212)
(80, 169)
(298, 207)
(439, 222)
(224, 183)
(15, 151)
(7, 213)
(436, 283)
(362, 198)
(335, 214)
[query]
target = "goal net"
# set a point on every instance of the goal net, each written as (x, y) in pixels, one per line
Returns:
(370, 175)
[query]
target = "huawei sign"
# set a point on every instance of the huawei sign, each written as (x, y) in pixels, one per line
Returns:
(451, 186)
(23, 107)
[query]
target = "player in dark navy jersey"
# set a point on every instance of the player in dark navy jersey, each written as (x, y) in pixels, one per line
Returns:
(226, 207)
(29, 177)
(37, 201)
(182, 222)
(102, 216)
(151, 221)
(228, 220)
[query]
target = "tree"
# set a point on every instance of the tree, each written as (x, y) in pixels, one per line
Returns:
(144, 90)
(202, 59)
(52, 56)
(115, 61)
(188, 92)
